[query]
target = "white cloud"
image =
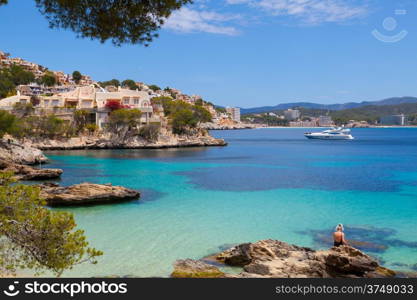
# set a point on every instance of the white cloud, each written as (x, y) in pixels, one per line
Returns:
(308, 11)
(189, 20)
(205, 16)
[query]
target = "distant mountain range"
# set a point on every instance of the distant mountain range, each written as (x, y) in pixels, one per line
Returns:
(335, 107)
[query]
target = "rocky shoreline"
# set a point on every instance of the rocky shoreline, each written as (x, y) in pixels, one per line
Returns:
(276, 259)
(18, 159)
(20, 153)
(96, 143)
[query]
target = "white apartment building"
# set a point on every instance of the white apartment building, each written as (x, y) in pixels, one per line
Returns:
(292, 114)
(89, 98)
(234, 113)
(127, 98)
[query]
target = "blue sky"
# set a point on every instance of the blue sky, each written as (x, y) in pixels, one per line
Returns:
(245, 52)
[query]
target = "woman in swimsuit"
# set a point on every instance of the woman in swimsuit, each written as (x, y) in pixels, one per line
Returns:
(339, 236)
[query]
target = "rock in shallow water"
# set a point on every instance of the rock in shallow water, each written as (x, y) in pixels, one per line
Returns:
(23, 172)
(85, 194)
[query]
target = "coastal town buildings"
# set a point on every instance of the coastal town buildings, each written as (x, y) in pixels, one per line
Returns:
(38, 71)
(35, 89)
(325, 121)
(3, 57)
(128, 99)
(67, 96)
(310, 123)
(357, 124)
(7, 61)
(89, 98)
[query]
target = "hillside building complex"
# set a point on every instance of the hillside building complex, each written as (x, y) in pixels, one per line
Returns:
(88, 98)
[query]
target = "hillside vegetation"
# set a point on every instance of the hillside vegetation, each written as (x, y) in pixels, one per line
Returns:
(373, 113)
(369, 113)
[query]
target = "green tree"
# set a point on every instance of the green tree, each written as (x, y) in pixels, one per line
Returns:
(219, 109)
(29, 127)
(150, 132)
(48, 79)
(11, 77)
(131, 84)
(34, 237)
(7, 123)
(123, 121)
(199, 102)
(160, 100)
(201, 114)
(46, 126)
(184, 115)
(154, 87)
(113, 82)
(20, 75)
(7, 87)
(22, 109)
(120, 21)
(91, 128)
(182, 120)
(53, 127)
(76, 76)
(81, 119)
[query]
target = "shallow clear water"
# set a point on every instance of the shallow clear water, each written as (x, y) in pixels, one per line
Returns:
(268, 183)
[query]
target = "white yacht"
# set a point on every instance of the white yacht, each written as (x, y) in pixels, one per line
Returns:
(331, 134)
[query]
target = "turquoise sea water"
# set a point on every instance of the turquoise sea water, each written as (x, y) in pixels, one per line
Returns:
(268, 183)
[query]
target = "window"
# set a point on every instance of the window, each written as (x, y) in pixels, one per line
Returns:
(46, 102)
(136, 101)
(55, 102)
(86, 103)
(126, 101)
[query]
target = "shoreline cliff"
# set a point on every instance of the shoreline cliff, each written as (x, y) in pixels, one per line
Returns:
(97, 142)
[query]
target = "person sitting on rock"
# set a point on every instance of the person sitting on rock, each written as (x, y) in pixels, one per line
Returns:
(339, 236)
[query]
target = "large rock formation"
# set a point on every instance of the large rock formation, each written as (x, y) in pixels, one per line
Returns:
(276, 259)
(20, 153)
(85, 193)
(23, 172)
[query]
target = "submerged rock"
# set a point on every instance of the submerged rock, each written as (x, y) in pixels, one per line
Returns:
(276, 259)
(85, 193)
(23, 172)
(190, 268)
